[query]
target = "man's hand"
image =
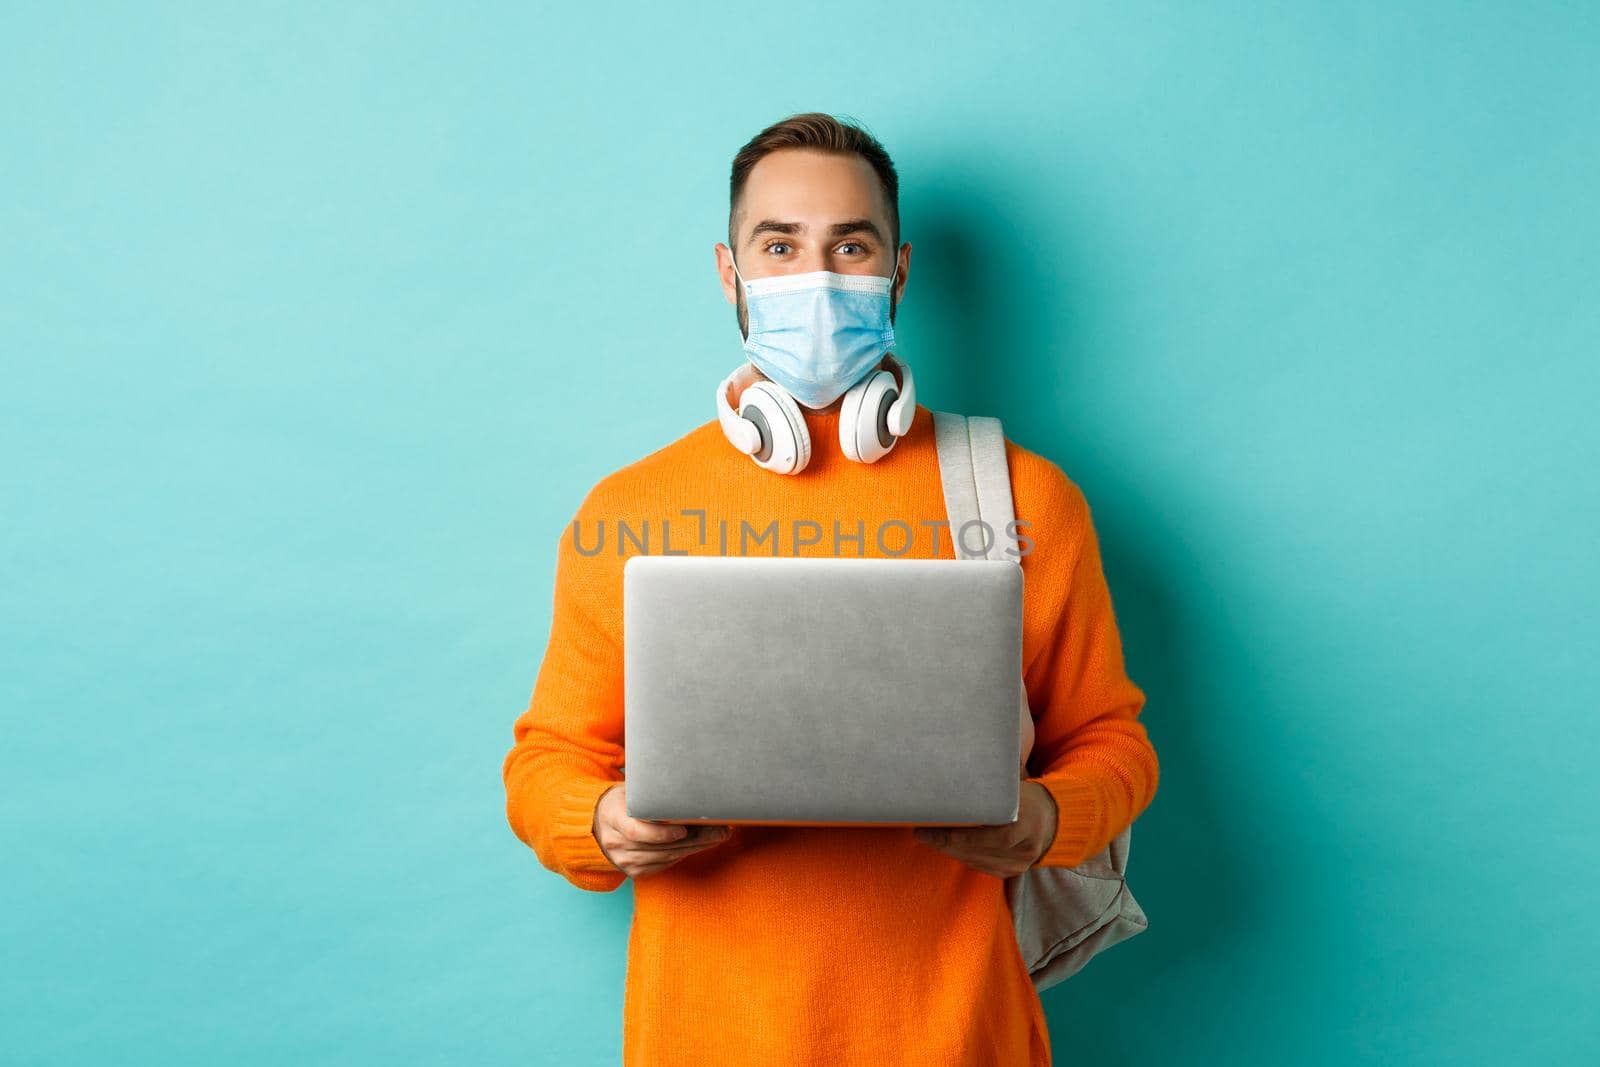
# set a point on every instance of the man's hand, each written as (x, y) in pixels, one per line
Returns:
(638, 847)
(1003, 850)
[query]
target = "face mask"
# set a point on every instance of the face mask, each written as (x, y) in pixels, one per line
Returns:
(817, 334)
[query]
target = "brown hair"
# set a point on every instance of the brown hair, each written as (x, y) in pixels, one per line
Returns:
(823, 133)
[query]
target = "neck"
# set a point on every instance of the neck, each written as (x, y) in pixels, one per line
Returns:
(831, 409)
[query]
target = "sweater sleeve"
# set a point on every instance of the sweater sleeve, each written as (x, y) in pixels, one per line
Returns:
(1090, 749)
(567, 747)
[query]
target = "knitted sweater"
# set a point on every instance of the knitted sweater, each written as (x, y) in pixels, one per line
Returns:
(837, 946)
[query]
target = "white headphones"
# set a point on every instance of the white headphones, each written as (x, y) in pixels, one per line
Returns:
(770, 428)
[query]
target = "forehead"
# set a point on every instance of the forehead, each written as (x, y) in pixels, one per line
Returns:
(816, 188)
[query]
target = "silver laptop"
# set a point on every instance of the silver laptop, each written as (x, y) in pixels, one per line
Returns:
(822, 691)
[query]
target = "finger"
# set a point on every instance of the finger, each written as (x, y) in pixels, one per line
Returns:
(639, 831)
(998, 872)
(1001, 865)
(1009, 833)
(645, 861)
(972, 850)
(976, 837)
(972, 856)
(648, 870)
(695, 837)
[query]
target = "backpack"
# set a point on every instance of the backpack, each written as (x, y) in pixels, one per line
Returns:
(1063, 916)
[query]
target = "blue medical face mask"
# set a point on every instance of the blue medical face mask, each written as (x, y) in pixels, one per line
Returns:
(816, 334)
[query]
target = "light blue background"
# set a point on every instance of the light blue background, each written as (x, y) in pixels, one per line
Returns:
(318, 322)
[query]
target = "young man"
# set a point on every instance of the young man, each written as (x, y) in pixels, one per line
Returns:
(818, 945)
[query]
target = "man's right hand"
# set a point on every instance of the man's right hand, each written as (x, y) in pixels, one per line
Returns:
(637, 847)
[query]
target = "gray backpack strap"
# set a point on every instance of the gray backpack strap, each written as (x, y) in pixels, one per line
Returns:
(977, 485)
(993, 478)
(977, 489)
(956, 475)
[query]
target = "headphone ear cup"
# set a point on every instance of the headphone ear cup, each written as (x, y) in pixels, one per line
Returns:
(850, 416)
(864, 434)
(785, 442)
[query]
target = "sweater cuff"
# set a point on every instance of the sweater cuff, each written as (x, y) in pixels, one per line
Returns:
(1080, 817)
(572, 832)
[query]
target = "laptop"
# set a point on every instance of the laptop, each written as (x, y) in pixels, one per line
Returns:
(831, 691)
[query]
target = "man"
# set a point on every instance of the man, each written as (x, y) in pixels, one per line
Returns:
(824, 945)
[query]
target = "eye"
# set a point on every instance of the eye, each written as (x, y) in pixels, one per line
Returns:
(853, 244)
(777, 244)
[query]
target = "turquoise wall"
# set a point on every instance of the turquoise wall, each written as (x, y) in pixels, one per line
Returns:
(318, 322)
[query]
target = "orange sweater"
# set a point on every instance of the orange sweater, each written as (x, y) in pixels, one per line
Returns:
(836, 946)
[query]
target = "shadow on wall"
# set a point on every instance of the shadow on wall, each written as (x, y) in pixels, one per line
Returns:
(1006, 322)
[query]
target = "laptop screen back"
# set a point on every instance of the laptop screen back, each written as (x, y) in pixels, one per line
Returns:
(822, 691)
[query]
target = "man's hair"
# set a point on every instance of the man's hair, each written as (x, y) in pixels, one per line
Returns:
(823, 133)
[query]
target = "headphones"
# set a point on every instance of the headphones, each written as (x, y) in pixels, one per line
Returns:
(769, 427)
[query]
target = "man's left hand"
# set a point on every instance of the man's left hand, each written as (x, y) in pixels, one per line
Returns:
(1008, 848)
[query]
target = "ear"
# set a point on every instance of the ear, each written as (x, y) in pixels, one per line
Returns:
(904, 257)
(725, 274)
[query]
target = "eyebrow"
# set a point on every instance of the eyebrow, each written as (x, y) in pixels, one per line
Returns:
(838, 229)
